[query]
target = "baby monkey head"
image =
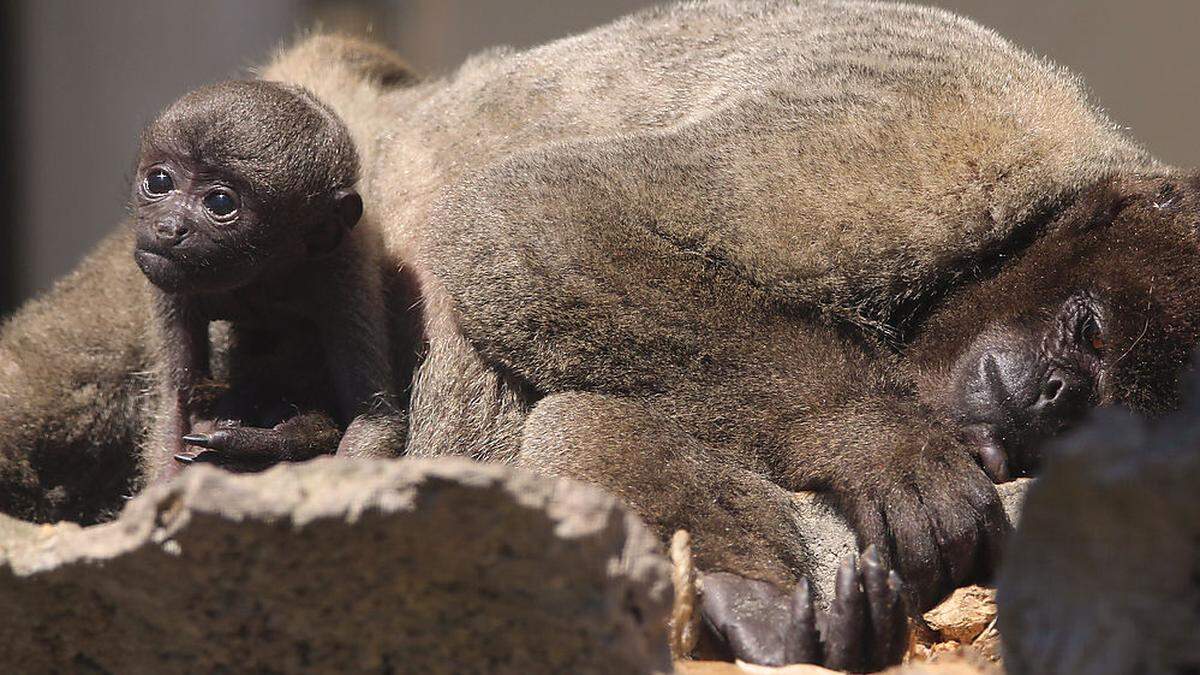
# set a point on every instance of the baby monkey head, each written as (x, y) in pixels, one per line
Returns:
(239, 181)
(1104, 308)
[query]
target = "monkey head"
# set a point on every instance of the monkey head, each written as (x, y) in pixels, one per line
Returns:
(238, 181)
(1104, 308)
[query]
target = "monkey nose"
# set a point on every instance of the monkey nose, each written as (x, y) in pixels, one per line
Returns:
(1063, 395)
(170, 233)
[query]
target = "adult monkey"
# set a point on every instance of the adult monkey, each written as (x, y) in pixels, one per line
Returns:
(726, 265)
(869, 602)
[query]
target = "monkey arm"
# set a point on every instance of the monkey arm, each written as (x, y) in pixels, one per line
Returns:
(745, 533)
(181, 333)
(568, 268)
(825, 415)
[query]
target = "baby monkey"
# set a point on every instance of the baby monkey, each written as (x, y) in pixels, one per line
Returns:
(246, 208)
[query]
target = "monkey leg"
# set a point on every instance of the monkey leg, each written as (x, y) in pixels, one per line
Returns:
(744, 532)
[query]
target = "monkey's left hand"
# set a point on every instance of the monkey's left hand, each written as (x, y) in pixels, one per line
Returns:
(296, 439)
(931, 510)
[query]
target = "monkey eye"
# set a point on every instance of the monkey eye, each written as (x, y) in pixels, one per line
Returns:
(158, 182)
(1089, 333)
(221, 203)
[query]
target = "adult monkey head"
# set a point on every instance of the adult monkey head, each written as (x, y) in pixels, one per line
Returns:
(1105, 308)
(240, 181)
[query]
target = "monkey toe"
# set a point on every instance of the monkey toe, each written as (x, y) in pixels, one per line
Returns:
(846, 622)
(758, 622)
(747, 617)
(888, 626)
(202, 440)
(866, 626)
(202, 457)
(294, 440)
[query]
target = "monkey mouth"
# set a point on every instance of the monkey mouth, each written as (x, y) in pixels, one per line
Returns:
(162, 270)
(1003, 456)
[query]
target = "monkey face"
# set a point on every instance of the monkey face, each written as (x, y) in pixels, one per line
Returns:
(1019, 383)
(1104, 309)
(238, 182)
(196, 232)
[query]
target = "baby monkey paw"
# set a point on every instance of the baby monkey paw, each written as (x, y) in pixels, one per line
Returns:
(234, 446)
(864, 630)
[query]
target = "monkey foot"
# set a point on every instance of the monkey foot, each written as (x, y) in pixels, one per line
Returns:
(865, 629)
(297, 439)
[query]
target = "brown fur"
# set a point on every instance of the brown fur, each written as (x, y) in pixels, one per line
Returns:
(74, 391)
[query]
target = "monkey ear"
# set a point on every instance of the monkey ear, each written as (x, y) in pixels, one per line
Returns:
(327, 236)
(348, 207)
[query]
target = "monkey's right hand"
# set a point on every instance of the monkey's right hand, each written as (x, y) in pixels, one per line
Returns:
(932, 512)
(296, 439)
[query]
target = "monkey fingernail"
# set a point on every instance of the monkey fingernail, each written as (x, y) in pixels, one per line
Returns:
(185, 459)
(202, 440)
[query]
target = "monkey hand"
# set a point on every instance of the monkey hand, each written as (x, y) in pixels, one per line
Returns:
(235, 446)
(864, 630)
(932, 512)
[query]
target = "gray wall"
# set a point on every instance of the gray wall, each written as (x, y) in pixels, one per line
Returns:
(91, 73)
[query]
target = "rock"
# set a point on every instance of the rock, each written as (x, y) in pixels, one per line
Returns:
(339, 565)
(964, 615)
(1103, 574)
(830, 538)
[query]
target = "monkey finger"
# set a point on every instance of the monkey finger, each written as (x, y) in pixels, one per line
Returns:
(956, 531)
(992, 524)
(994, 530)
(746, 617)
(917, 556)
(202, 440)
(203, 457)
(241, 443)
(872, 527)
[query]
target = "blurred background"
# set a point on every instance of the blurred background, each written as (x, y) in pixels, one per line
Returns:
(79, 79)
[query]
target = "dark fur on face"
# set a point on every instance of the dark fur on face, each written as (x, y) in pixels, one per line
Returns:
(278, 156)
(1105, 309)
